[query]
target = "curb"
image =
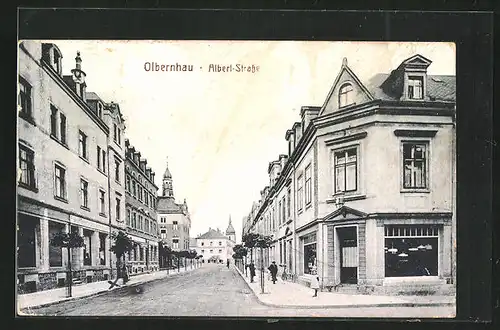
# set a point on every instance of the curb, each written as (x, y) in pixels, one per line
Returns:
(94, 294)
(403, 304)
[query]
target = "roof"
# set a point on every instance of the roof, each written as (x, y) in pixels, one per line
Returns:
(439, 87)
(168, 205)
(92, 96)
(230, 228)
(167, 173)
(212, 234)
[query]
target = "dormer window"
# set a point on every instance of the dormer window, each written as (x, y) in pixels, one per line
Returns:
(57, 61)
(415, 88)
(99, 110)
(346, 95)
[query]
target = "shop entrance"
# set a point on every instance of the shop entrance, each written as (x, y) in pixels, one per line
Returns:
(348, 244)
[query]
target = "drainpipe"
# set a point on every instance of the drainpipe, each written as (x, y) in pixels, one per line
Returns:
(109, 215)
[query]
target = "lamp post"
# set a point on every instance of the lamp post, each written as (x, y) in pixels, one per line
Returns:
(261, 270)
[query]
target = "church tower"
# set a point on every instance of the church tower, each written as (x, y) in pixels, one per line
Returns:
(168, 189)
(230, 232)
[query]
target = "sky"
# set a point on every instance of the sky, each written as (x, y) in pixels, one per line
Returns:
(219, 130)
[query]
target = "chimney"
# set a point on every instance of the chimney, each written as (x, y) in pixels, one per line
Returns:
(290, 138)
(297, 127)
(283, 159)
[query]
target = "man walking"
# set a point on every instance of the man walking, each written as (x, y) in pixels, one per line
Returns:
(274, 271)
(251, 267)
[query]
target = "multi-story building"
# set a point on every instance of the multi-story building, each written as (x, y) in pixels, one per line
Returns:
(141, 218)
(366, 194)
(215, 246)
(65, 179)
(174, 221)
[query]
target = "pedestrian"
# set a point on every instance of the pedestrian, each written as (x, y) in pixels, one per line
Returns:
(251, 267)
(227, 263)
(315, 285)
(274, 271)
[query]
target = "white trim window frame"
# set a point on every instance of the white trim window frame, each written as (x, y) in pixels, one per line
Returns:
(344, 159)
(410, 165)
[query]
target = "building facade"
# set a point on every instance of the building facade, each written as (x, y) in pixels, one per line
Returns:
(174, 221)
(141, 218)
(66, 178)
(366, 194)
(215, 246)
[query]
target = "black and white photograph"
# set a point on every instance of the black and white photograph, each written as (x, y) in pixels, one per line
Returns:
(236, 178)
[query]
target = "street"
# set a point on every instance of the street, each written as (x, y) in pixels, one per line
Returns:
(212, 290)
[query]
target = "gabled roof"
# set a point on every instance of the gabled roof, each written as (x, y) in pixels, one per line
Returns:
(168, 205)
(212, 234)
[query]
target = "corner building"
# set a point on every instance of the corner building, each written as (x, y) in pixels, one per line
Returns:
(141, 218)
(66, 178)
(365, 196)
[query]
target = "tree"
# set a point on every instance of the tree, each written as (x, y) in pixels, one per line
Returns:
(239, 251)
(249, 241)
(166, 253)
(69, 241)
(122, 243)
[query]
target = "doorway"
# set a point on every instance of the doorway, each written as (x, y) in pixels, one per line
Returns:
(348, 254)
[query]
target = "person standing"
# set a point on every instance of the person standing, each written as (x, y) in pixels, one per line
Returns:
(315, 285)
(274, 271)
(251, 267)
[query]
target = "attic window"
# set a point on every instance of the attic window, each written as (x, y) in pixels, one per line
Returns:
(415, 88)
(345, 95)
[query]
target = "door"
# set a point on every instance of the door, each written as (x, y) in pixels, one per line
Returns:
(348, 255)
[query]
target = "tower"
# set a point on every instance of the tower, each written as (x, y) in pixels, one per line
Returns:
(230, 232)
(168, 190)
(79, 76)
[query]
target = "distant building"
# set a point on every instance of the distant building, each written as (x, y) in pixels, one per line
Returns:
(141, 219)
(216, 246)
(173, 219)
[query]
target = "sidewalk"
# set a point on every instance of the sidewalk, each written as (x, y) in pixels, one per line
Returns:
(289, 294)
(49, 297)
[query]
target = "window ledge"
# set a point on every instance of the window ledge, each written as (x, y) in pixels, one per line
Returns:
(85, 208)
(53, 137)
(84, 159)
(308, 205)
(27, 117)
(101, 171)
(347, 198)
(415, 191)
(61, 199)
(102, 214)
(299, 212)
(28, 187)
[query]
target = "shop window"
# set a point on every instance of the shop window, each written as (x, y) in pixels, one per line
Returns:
(310, 263)
(102, 249)
(87, 248)
(26, 241)
(55, 252)
(411, 251)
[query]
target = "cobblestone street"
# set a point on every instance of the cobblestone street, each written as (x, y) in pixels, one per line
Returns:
(212, 290)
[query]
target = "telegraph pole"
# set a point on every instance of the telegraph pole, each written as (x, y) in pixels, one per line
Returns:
(261, 270)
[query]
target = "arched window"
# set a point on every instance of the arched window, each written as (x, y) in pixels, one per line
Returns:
(345, 95)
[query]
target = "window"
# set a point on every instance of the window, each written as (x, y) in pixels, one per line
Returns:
(415, 88)
(308, 185)
(202, 251)
(345, 95)
(60, 181)
(87, 248)
(283, 214)
(57, 61)
(117, 170)
(211, 243)
(411, 250)
(288, 202)
(220, 243)
(118, 209)
(279, 212)
(175, 225)
(99, 158)
(414, 161)
(310, 264)
(202, 244)
(163, 219)
(128, 218)
(26, 110)
(211, 251)
(134, 220)
(27, 166)
(134, 190)
(220, 251)
(84, 193)
(119, 137)
(102, 249)
(99, 110)
(62, 127)
(163, 233)
(115, 135)
(104, 161)
(53, 121)
(140, 222)
(299, 193)
(140, 193)
(82, 145)
(345, 170)
(127, 184)
(175, 243)
(102, 201)
(55, 252)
